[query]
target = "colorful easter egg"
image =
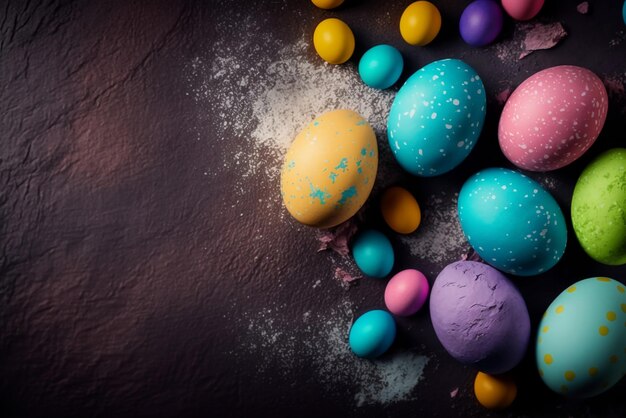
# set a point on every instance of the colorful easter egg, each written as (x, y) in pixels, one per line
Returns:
(373, 253)
(436, 117)
(420, 23)
(330, 169)
(333, 41)
(372, 334)
(494, 392)
(522, 9)
(553, 118)
(481, 22)
(381, 66)
(400, 210)
(406, 292)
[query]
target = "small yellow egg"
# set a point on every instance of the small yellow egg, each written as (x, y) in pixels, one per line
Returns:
(400, 210)
(327, 4)
(494, 392)
(333, 41)
(420, 23)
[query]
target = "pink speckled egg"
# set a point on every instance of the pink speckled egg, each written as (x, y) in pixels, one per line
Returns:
(406, 292)
(552, 118)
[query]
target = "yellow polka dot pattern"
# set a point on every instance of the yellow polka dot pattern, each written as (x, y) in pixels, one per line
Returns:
(554, 363)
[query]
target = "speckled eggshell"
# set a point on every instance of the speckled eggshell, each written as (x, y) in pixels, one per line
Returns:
(581, 342)
(553, 118)
(599, 208)
(436, 117)
(512, 222)
(479, 316)
(330, 168)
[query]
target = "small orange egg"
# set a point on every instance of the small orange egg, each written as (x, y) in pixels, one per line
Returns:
(400, 210)
(494, 392)
(327, 4)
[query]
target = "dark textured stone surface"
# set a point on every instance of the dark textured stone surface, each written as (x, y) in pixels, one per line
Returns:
(119, 262)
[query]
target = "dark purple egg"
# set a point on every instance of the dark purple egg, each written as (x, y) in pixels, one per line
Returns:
(481, 22)
(479, 317)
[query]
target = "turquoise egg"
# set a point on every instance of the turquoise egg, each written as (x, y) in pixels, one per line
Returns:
(373, 253)
(624, 12)
(512, 222)
(381, 66)
(436, 117)
(581, 341)
(372, 334)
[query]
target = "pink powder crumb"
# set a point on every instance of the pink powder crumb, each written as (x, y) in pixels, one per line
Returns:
(614, 86)
(338, 239)
(542, 37)
(344, 276)
(503, 95)
(454, 392)
(583, 8)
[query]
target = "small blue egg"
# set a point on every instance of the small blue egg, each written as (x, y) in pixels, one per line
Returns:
(373, 253)
(436, 118)
(624, 12)
(381, 66)
(372, 334)
(512, 222)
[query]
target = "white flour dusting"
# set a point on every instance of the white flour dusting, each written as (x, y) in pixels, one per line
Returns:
(265, 104)
(320, 341)
(439, 239)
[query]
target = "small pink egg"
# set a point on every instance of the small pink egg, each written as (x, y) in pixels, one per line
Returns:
(522, 9)
(553, 118)
(406, 292)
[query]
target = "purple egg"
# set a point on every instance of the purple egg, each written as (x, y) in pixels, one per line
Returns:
(479, 317)
(481, 22)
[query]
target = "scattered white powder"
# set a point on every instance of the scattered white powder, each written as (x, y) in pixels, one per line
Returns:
(264, 102)
(285, 344)
(439, 239)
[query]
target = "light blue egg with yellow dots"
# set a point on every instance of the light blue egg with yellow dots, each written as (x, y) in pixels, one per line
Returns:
(512, 222)
(436, 117)
(581, 341)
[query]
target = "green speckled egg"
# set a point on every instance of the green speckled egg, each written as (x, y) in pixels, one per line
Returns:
(330, 168)
(581, 341)
(599, 208)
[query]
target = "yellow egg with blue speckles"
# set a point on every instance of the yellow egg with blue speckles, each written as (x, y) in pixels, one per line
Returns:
(330, 168)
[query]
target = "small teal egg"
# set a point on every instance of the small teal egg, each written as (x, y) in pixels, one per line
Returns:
(512, 222)
(436, 117)
(381, 66)
(372, 334)
(373, 253)
(581, 342)
(624, 12)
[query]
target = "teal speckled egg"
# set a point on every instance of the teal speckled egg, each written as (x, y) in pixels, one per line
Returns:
(436, 117)
(512, 222)
(581, 342)
(372, 334)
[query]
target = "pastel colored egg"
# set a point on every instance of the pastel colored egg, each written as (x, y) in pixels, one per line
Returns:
(420, 23)
(436, 117)
(400, 210)
(553, 118)
(381, 66)
(406, 292)
(372, 334)
(599, 208)
(522, 9)
(333, 41)
(494, 392)
(512, 222)
(330, 169)
(373, 253)
(327, 4)
(479, 316)
(481, 22)
(581, 342)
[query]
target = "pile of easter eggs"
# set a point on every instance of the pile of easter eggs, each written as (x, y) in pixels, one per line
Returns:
(510, 220)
